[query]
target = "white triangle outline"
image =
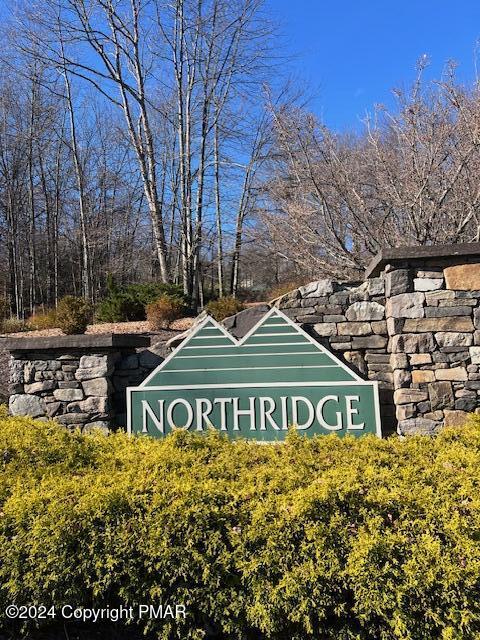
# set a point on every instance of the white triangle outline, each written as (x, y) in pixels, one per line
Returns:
(272, 312)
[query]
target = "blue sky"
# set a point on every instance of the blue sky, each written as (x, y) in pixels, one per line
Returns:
(354, 52)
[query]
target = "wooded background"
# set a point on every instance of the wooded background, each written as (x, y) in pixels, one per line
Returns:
(165, 141)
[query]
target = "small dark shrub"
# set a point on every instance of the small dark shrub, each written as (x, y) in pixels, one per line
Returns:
(73, 314)
(124, 304)
(224, 307)
(165, 310)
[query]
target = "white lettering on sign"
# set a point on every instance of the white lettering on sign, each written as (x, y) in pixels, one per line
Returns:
(331, 427)
(351, 411)
(259, 412)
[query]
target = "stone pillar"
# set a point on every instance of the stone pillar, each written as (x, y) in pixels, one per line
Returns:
(75, 379)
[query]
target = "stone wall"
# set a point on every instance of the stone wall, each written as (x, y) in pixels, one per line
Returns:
(78, 380)
(413, 325)
(349, 319)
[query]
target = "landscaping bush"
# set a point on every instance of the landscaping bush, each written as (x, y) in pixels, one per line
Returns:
(165, 310)
(124, 304)
(43, 320)
(73, 314)
(224, 307)
(325, 538)
(13, 325)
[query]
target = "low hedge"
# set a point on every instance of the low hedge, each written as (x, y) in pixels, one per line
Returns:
(322, 538)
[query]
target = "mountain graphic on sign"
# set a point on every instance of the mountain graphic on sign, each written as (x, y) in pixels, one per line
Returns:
(275, 350)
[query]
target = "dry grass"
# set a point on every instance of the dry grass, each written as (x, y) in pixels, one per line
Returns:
(108, 327)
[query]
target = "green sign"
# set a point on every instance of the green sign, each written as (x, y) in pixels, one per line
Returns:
(257, 387)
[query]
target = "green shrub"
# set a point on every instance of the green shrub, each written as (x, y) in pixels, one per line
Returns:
(323, 539)
(73, 314)
(124, 304)
(13, 325)
(224, 307)
(43, 320)
(165, 310)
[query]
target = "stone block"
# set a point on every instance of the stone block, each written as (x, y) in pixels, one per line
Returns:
(466, 404)
(356, 359)
(420, 358)
(441, 395)
(334, 318)
(53, 408)
(38, 387)
(90, 406)
(383, 376)
(16, 370)
(394, 326)
(405, 305)
(399, 361)
(407, 396)
(454, 374)
(439, 312)
(339, 298)
(93, 372)
(401, 378)
(68, 395)
(365, 311)
(68, 384)
(417, 427)
(360, 293)
(376, 286)
(325, 328)
(434, 415)
(329, 309)
(463, 277)
(354, 328)
(396, 282)
(475, 354)
(377, 357)
(405, 411)
(419, 376)
(452, 339)
(379, 327)
(369, 342)
(97, 425)
(316, 289)
(455, 418)
(307, 314)
(420, 325)
(23, 404)
(97, 387)
(476, 318)
(73, 418)
(427, 284)
(433, 273)
(432, 298)
(412, 343)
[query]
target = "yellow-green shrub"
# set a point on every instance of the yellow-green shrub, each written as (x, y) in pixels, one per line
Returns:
(13, 325)
(224, 307)
(322, 538)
